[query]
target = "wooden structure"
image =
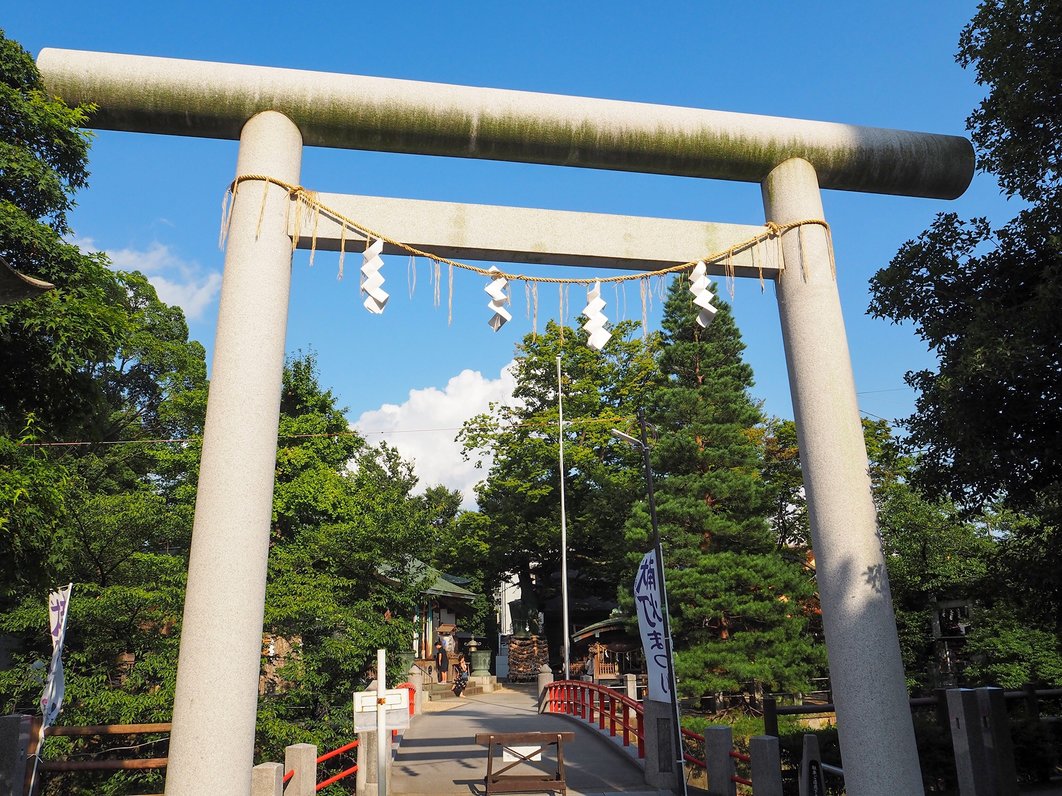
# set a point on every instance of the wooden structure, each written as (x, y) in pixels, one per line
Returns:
(524, 746)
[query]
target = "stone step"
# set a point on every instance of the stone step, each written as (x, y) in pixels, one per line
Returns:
(438, 691)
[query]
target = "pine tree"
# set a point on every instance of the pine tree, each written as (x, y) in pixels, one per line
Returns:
(739, 608)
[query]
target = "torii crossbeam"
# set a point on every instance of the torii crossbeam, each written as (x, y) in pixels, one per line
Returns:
(275, 112)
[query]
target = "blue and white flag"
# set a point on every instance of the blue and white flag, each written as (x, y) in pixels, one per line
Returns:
(52, 700)
(651, 627)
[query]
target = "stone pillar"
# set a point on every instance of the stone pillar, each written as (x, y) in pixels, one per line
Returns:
(367, 778)
(661, 767)
(545, 677)
(766, 766)
(718, 764)
(873, 715)
(16, 735)
(267, 779)
(630, 684)
(416, 676)
(980, 736)
(999, 746)
(302, 759)
(216, 700)
(812, 780)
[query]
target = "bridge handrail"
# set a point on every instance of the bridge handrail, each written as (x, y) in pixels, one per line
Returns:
(700, 762)
(576, 698)
(328, 756)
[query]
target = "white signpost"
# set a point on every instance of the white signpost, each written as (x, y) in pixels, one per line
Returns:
(395, 709)
(381, 711)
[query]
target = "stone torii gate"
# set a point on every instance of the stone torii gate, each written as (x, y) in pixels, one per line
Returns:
(275, 112)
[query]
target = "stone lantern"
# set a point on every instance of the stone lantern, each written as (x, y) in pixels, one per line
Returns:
(480, 659)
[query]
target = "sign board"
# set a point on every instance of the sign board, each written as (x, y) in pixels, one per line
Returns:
(396, 706)
(510, 754)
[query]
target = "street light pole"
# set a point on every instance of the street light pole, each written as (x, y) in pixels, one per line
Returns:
(643, 443)
(564, 528)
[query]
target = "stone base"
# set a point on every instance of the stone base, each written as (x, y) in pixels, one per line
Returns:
(486, 682)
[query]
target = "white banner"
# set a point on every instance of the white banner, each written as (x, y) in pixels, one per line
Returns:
(52, 700)
(651, 626)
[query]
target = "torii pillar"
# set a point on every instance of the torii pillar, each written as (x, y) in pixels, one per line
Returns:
(274, 111)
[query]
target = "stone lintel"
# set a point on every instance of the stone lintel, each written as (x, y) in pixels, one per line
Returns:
(213, 100)
(488, 233)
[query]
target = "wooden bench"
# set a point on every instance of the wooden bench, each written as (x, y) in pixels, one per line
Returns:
(535, 743)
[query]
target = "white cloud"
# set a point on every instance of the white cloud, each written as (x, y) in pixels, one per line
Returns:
(177, 281)
(423, 428)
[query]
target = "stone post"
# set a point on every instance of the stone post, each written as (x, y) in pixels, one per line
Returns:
(873, 715)
(15, 738)
(545, 677)
(216, 700)
(367, 778)
(302, 759)
(630, 684)
(980, 736)
(999, 747)
(267, 779)
(812, 780)
(766, 766)
(416, 676)
(662, 769)
(718, 764)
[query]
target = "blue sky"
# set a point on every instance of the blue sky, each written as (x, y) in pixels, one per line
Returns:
(154, 201)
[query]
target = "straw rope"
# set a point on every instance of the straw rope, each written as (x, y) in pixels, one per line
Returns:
(772, 231)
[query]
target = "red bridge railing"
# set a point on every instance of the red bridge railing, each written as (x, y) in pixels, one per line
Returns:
(598, 706)
(328, 756)
(692, 759)
(609, 710)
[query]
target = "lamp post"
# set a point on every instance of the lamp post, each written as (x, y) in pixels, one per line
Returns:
(642, 444)
(564, 525)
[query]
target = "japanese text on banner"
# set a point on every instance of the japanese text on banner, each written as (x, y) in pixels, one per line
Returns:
(651, 627)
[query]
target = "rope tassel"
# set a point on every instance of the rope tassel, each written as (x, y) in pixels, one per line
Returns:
(372, 280)
(595, 318)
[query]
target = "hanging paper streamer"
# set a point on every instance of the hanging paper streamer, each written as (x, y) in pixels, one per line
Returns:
(372, 280)
(701, 288)
(595, 318)
(498, 299)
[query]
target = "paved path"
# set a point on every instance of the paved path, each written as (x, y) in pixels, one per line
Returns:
(439, 756)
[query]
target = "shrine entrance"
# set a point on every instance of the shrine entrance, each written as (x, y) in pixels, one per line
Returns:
(275, 112)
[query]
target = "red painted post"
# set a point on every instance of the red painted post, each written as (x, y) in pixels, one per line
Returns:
(612, 718)
(626, 724)
(601, 697)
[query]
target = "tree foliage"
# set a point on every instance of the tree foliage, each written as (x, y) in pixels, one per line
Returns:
(47, 340)
(985, 301)
(519, 502)
(740, 609)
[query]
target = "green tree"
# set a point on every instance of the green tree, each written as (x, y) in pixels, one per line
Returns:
(47, 340)
(519, 502)
(740, 610)
(987, 421)
(784, 482)
(342, 578)
(932, 551)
